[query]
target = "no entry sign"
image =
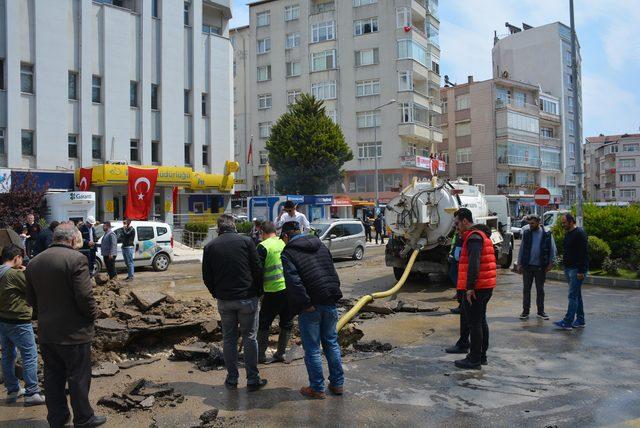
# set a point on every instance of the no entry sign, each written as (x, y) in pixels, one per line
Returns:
(542, 196)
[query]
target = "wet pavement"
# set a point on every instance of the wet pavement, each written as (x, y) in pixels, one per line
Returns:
(536, 376)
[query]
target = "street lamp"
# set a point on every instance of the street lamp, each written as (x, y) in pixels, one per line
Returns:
(375, 156)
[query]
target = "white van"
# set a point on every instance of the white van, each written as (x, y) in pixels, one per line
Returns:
(153, 245)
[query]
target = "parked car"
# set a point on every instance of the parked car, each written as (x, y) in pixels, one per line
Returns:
(550, 218)
(343, 237)
(516, 227)
(153, 245)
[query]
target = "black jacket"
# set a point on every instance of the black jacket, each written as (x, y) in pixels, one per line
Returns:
(309, 273)
(43, 241)
(231, 269)
(128, 236)
(576, 250)
(86, 237)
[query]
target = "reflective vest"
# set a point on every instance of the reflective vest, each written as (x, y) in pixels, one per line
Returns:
(488, 269)
(273, 273)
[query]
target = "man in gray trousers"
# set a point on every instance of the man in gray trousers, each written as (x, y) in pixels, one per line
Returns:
(231, 271)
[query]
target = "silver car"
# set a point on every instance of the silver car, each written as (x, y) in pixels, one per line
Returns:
(343, 237)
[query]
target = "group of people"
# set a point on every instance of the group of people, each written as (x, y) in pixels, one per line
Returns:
(473, 270)
(378, 227)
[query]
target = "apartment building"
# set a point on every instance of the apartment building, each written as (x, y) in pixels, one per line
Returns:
(104, 82)
(506, 135)
(356, 55)
(542, 56)
(612, 168)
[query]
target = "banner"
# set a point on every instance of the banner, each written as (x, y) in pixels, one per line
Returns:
(142, 183)
(85, 179)
(5, 180)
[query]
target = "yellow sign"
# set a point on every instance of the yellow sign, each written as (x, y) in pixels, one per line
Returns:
(167, 206)
(240, 181)
(108, 206)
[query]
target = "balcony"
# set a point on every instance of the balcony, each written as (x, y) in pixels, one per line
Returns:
(420, 132)
(512, 189)
(523, 161)
(510, 103)
(318, 7)
(550, 165)
(517, 134)
(550, 141)
(551, 117)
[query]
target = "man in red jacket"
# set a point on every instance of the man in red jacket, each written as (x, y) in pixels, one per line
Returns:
(477, 273)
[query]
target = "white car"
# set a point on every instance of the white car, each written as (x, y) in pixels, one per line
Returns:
(153, 245)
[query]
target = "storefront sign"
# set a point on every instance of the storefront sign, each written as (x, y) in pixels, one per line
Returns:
(318, 200)
(422, 162)
(298, 199)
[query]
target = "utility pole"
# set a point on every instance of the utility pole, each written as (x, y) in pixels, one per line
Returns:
(375, 154)
(578, 169)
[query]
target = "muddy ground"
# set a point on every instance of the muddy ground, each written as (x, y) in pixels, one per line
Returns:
(536, 376)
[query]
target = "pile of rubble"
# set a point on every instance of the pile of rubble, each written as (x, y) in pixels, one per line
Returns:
(142, 394)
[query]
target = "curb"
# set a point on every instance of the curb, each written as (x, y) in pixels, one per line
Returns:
(600, 281)
(185, 261)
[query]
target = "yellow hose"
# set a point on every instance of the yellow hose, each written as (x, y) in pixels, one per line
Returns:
(370, 297)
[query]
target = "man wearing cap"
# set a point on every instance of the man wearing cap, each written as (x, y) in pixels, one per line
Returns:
(291, 214)
(88, 241)
(313, 289)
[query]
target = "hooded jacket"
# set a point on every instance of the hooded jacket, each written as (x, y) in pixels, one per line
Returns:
(309, 273)
(14, 308)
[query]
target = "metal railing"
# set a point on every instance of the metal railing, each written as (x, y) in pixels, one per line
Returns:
(194, 239)
(550, 140)
(179, 220)
(550, 165)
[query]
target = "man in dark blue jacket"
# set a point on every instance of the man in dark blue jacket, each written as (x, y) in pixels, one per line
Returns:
(313, 289)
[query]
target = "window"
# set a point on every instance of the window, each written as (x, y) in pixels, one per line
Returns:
(263, 19)
(292, 96)
(365, 26)
(73, 85)
(155, 151)
(187, 153)
(463, 155)
(551, 181)
(323, 31)
(325, 60)
(133, 93)
(144, 233)
(546, 132)
(323, 7)
(293, 40)
(293, 69)
(523, 122)
(72, 146)
(2, 148)
(155, 9)
(264, 73)
(205, 155)
(628, 193)
(324, 90)
(368, 119)
(187, 6)
(27, 143)
(357, 3)
(26, 78)
(369, 150)
(264, 101)
(403, 17)
(366, 88)
(550, 159)
(571, 127)
(445, 105)
(463, 129)
(624, 178)
(367, 57)
(631, 147)
(332, 114)
(291, 12)
(521, 154)
(2, 87)
(203, 106)
(264, 45)
(462, 102)
(435, 64)
(520, 99)
(412, 149)
(568, 57)
(154, 97)
(134, 150)
(264, 129)
(433, 34)
(627, 163)
(408, 49)
(96, 89)
(570, 104)
(405, 81)
(161, 231)
(211, 29)
(569, 81)
(263, 157)
(96, 147)
(187, 103)
(548, 106)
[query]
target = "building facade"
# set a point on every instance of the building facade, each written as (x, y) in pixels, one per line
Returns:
(542, 56)
(506, 135)
(356, 55)
(88, 83)
(612, 168)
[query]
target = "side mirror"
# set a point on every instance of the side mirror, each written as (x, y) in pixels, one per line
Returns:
(332, 236)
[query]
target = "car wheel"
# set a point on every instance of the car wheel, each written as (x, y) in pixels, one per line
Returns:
(358, 254)
(97, 267)
(161, 262)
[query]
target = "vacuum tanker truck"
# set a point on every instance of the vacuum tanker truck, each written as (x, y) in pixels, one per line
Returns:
(421, 217)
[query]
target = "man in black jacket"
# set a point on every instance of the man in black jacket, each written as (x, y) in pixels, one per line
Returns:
(89, 241)
(128, 238)
(45, 238)
(313, 289)
(231, 271)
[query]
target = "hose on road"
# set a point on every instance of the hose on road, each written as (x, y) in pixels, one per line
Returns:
(370, 297)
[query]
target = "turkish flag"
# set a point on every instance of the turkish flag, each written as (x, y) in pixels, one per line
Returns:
(142, 183)
(85, 179)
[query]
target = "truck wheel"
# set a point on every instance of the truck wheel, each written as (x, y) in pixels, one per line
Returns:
(161, 262)
(397, 272)
(509, 260)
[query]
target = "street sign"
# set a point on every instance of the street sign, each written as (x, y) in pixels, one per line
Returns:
(542, 196)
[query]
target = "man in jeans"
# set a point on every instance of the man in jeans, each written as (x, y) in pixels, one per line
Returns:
(576, 265)
(109, 249)
(313, 289)
(535, 259)
(231, 271)
(16, 330)
(128, 237)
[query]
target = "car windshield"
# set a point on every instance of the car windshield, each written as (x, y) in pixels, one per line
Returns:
(320, 228)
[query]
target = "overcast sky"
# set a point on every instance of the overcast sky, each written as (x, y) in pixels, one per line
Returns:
(608, 31)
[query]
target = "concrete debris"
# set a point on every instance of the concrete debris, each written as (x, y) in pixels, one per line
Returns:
(214, 359)
(148, 402)
(410, 305)
(110, 324)
(372, 346)
(105, 369)
(190, 352)
(141, 394)
(209, 416)
(295, 352)
(133, 363)
(349, 335)
(380, 307)
(147, 299)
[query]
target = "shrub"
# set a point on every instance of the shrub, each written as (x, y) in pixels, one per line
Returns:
(599, 251)
(244, 227)
(197, 227)
(612, 266)
(618, 226)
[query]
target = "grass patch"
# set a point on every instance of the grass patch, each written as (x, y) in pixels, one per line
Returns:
(622, 273)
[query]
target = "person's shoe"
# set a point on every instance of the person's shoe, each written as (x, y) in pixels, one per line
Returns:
(129, 278)
(336, 390)
(563, 325)
(543, 315)
(33, 400)
(579, 324)
(251, 387)
(524, 315)
(95, 421)
(230, 386)
(309, 392)
(455, 310)
(468, 364)
(456, 349)
(13, 397)
(483, 360)
(283, 341)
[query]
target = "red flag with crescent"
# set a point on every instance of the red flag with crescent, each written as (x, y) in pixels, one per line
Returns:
(142, 183)
(85, 179)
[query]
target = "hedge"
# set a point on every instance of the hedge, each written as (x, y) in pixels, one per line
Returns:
(197, 227)
(244, 227)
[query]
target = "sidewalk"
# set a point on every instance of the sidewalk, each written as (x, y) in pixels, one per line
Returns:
(184, 254)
